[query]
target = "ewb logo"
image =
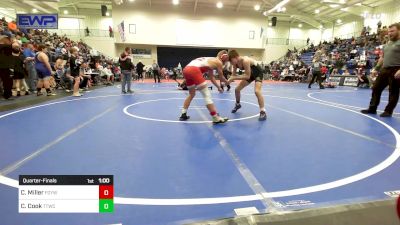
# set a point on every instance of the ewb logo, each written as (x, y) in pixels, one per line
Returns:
(37, 21)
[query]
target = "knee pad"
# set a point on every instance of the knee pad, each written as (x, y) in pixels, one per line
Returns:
(207, 95)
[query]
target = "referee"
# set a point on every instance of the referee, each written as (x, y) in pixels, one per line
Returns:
(389, 74)
(316, 72)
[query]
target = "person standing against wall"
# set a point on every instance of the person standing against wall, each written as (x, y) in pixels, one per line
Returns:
(126, 71)
(110, 31)
(156, 71)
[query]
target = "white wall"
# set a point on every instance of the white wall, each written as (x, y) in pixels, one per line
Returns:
(327, 34)
(285, 30)
(98, 22)
(86, 18)
(274, 52)
(180, 26)
(8, 13)
(69, 23)
(390, 13)
(104, 45)
(347, 30)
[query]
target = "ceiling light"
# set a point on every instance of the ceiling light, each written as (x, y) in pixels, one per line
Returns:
(220, 5)
(107, 14)
(257, 7)
(269, 24)
(359, 4)
(300, 25)
(265, 13)
(344, 9)
(130, 1)
(65, 12)
(283, 9)
(321, 27)
(278, 6)
(339, 21)
(317, 11)
(34, 10)
(175, 2)
(334, 5)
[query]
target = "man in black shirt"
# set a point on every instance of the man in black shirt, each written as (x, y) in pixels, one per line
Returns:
(139, 70)
(126, 70)
(6, 63)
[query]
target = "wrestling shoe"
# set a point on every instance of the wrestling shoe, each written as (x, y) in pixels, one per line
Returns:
(217, 119)
(184, 117)
(263, 116)
(237, 107)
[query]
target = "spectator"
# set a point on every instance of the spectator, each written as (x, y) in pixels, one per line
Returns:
(5, 65)
(140, 70)
(43, 70)
(362, 78)
(61, 73)
(117, 72)
(156, 71)
(18, 69)
(346, 73)
(126, 71)
(107, 74)
(334, 72)
(29, 55)
(86, 74)
(12, 26)
(110, 31)
(87, 32)
(75, 64)
(67, 78)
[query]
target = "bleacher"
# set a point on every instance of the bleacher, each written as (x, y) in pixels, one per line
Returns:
(307, 57)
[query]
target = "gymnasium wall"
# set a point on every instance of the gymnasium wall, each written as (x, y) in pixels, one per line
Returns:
(349, 29)
(287, 30)
(86, 18)
(8, 14)
(178, 26)
(390, 12)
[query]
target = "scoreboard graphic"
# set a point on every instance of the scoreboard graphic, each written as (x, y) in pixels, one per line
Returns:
(66, 194)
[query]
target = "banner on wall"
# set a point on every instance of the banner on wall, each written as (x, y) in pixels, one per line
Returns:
(37, 21)
(141, 53)
(121, 31)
